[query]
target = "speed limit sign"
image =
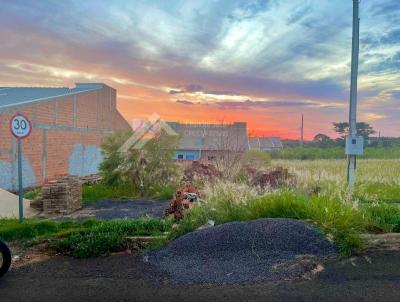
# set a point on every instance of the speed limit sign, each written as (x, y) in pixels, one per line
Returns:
(20, 126)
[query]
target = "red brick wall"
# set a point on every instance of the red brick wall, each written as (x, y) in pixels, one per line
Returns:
(56, 132)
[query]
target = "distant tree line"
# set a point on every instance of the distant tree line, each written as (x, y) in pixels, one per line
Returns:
(363, 129)
(324, 147)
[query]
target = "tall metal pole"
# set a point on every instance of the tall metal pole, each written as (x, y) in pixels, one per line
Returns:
(20, 187)
(351, 166)
(302, 130)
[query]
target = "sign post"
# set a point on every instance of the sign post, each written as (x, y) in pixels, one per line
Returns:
(20, 127)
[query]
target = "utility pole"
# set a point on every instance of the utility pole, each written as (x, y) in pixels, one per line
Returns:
(302, 130)
(351, 158)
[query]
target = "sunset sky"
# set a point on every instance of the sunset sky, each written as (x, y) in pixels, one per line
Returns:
(263, 62)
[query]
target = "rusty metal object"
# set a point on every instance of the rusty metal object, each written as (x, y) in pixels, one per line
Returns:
(182, 202)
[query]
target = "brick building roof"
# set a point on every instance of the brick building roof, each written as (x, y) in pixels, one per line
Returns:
(16, 96)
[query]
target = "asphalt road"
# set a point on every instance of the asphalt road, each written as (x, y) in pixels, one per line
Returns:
(125, 278)
(129, 209)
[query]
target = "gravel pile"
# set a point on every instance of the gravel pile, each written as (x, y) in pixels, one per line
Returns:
(241, 252)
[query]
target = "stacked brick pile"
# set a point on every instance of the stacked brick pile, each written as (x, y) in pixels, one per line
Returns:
(61, 196)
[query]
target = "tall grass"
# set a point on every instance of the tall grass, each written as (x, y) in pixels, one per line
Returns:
(378, 192)
(382, 217)
(340, 221)
(11, 229)
(376, 179)
(102, 191)
(108, 236)
(334, 152)
(83, 239)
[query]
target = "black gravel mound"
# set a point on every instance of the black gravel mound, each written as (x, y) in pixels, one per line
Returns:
(241, 252)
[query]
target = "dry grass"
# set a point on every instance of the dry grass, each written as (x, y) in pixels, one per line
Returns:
(368, 170)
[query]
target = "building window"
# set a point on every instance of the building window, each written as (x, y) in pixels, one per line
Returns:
(180, 156)
(189, 157)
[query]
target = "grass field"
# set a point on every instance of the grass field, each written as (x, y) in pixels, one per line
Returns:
(320, 196)
(334, 170)
(377, 179)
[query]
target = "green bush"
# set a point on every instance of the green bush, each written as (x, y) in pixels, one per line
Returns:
(163, 192)
(109, 236)
(32, 194)
(383, 217)
(147, 169)
(83, 239)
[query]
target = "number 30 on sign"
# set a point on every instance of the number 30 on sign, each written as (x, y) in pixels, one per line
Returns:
(20, 126)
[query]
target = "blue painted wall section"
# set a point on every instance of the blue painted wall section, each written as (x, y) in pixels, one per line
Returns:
(84, 160)
(9, 177)
(187, 155)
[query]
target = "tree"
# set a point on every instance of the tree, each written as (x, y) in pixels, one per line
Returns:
(148, 168)
(363, 129)
(322, 140)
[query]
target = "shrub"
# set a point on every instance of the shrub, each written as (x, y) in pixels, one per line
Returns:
(163, 192)
(383, 217)
(111, 168)
(32, 194)
(148, 168)
(109, 236)
(83, 239)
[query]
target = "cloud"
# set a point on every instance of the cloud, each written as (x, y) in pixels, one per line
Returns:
(193, 88)
(185, 102)
(374, 116)
(272, 53)
(275, 103)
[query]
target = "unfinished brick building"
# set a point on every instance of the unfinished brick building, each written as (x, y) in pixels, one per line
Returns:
(68, 128)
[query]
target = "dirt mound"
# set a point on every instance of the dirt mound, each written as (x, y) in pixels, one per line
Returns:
(242, 252)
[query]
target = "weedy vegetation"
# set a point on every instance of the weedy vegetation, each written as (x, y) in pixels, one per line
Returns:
(319, 196)
(83, 239)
